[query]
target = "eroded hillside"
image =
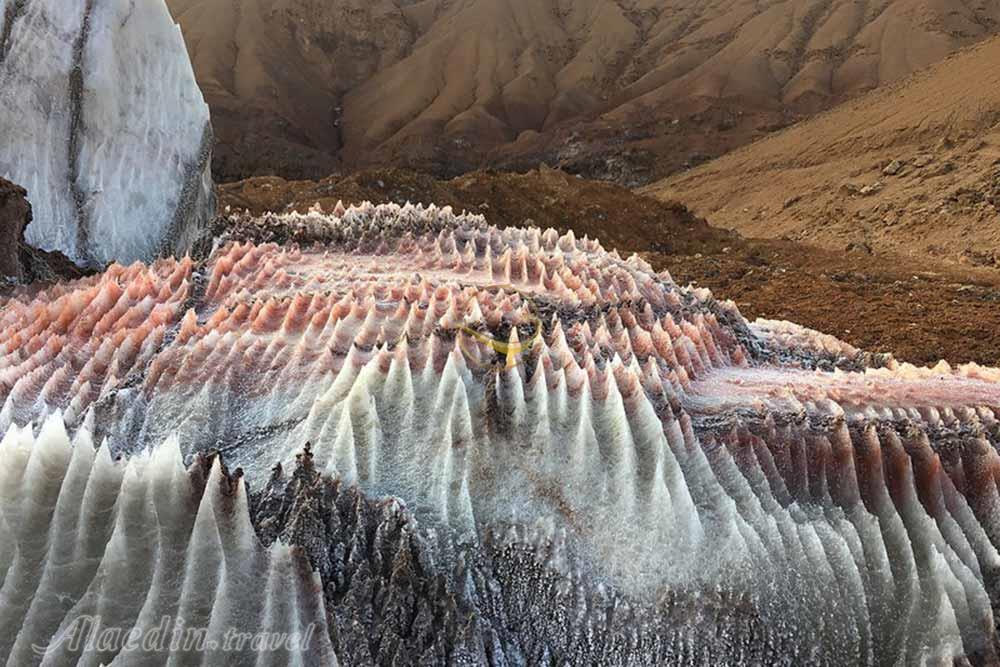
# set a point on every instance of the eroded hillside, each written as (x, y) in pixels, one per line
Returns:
(622, 89)
(912, 168)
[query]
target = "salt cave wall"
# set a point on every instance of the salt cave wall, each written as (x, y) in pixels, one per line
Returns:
(104, 125)
(507, 446)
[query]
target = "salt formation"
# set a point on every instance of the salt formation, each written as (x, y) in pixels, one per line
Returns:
(105, 127)
(89, 544)
(651, 480)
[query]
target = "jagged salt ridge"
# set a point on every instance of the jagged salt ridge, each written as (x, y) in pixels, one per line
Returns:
(131, 543)
(670, 446)
(105, 126)
(394, 592)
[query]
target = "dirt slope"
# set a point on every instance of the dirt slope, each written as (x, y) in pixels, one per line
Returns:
(622, 89)
(913, 168)
(920, 310)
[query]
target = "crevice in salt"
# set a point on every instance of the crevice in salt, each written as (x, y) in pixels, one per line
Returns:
(10, 15)
(80, 198)
(196, 195)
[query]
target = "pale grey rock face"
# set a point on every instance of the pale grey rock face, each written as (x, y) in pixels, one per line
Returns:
(104, 125)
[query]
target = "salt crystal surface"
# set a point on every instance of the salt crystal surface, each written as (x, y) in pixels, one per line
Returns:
(115, 157)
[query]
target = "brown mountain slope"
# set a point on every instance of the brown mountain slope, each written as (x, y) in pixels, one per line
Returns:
(626, 89)
(913, 168)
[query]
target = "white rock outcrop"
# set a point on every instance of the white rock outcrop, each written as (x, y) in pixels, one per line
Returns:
(104, 125)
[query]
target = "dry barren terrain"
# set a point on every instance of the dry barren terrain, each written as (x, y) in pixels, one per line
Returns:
(628, 90)
(912, 168)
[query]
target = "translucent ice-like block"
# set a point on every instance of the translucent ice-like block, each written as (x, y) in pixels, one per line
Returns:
(104, 125)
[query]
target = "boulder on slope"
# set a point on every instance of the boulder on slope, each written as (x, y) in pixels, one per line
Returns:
(15, 214)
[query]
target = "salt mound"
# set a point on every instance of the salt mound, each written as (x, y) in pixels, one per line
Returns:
(548, 412)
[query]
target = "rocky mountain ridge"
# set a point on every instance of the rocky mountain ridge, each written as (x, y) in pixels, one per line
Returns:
(627, 90)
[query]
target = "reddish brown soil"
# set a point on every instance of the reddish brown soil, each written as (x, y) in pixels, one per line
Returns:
(920, 310)
(19, 262)
(15, 214)
(912, 168)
